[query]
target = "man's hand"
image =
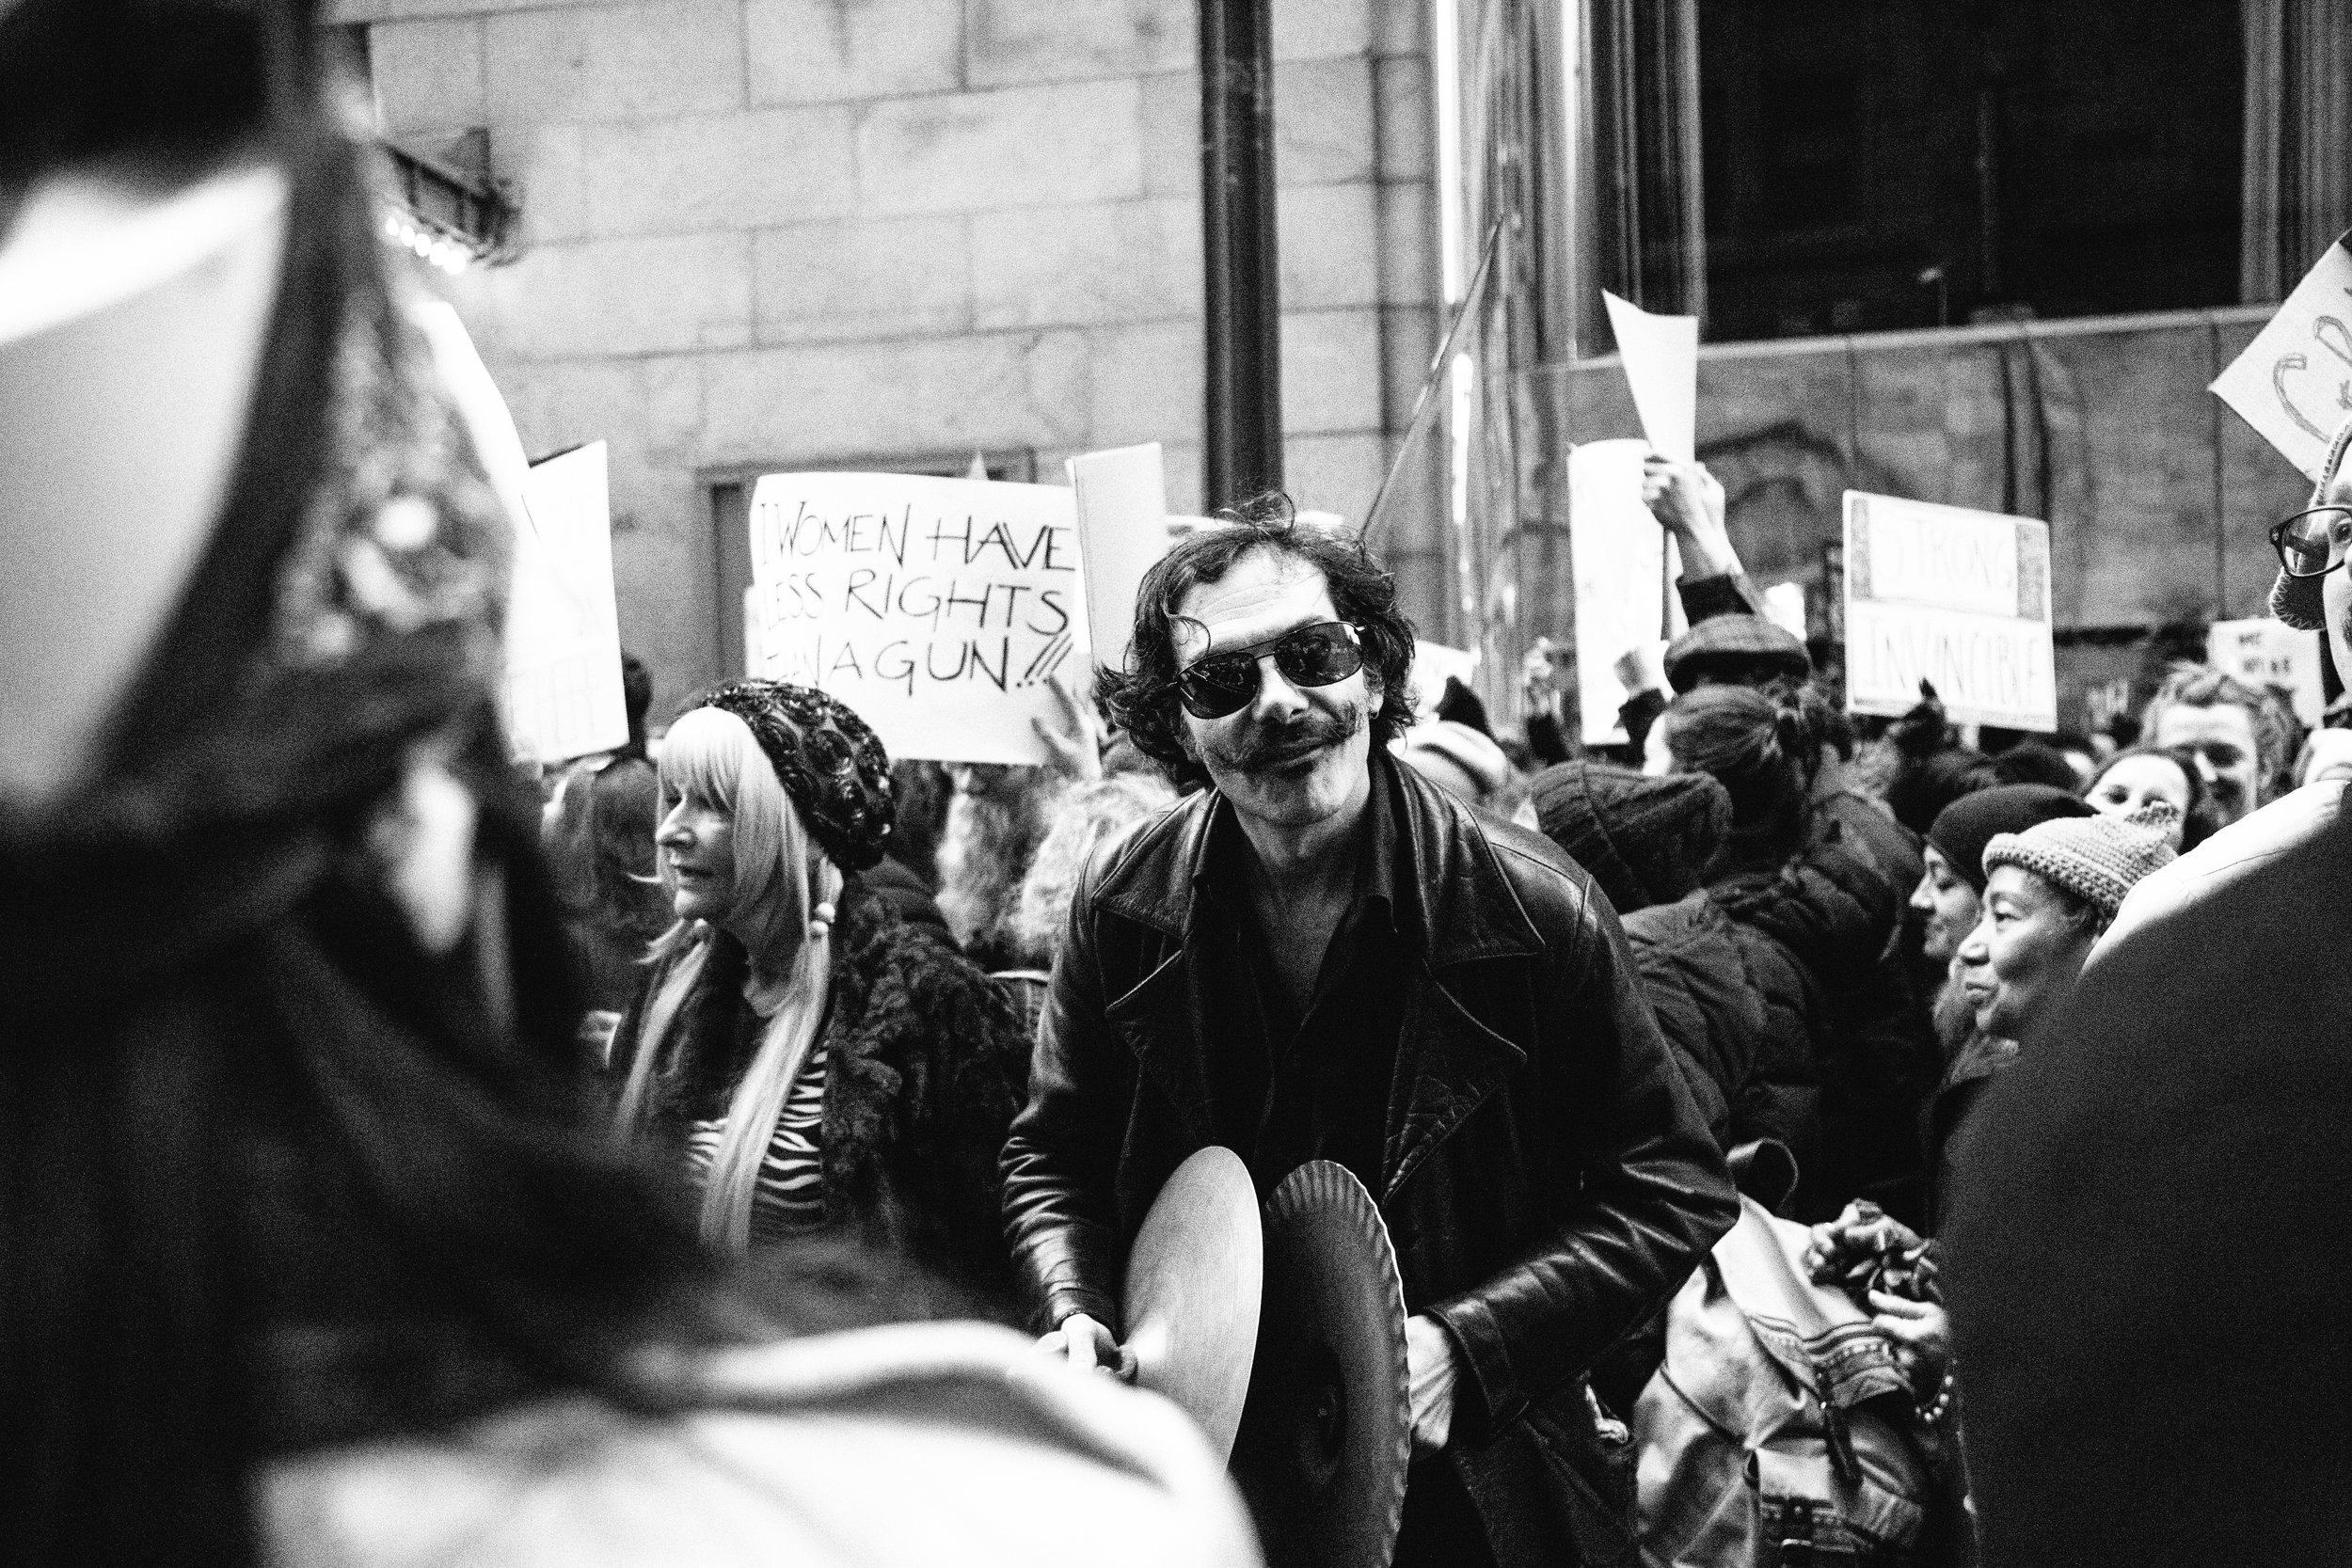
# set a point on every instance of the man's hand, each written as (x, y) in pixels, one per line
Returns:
(1688, 502)
(1089, 1346)
(1643, 668)
(1429, 1369)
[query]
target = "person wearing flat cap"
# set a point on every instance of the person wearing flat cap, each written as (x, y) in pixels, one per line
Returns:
(2146, 1270)
(814, 1061)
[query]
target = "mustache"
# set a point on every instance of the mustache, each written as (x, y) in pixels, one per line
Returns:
(1264, 744)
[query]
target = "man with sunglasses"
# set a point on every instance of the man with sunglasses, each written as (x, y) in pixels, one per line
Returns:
(2147, 1274)
(1323, 955)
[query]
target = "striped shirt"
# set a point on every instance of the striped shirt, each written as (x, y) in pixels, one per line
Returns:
(790, 1194)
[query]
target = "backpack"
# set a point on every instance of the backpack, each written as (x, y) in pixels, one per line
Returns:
(1778, 1429)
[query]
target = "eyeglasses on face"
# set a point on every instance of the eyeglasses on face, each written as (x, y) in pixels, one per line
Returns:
(2312, 543)
(1224, 682)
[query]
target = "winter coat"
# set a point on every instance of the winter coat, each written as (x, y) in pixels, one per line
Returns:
(1547, 1183)
(1742, 976)
(2147, 1273)
(923, 1056)
(1885, 1060)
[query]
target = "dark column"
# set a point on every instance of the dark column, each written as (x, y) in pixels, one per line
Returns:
(1242, 438)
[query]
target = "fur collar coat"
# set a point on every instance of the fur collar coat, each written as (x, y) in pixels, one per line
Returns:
(926, 1062)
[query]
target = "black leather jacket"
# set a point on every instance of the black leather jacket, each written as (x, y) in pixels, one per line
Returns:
(1547, 1180)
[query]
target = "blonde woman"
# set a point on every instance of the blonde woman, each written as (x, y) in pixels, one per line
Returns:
(816, 1062)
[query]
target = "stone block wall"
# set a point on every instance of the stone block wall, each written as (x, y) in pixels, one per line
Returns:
(785, 234)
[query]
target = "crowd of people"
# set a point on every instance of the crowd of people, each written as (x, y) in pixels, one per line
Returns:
(1797, 1135)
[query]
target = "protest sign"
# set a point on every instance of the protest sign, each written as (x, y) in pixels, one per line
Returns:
(2271, 652)
(1122, 501)
(1784, 607)
(1955, 597)
(1617, 553)
(562, 692)
(2294, 382)
(938, 609)
(563, 687)
(1660, 354)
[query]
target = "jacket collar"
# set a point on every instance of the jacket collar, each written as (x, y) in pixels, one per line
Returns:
(1454, 901)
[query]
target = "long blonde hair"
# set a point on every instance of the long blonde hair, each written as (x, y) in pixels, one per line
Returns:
(780, 878)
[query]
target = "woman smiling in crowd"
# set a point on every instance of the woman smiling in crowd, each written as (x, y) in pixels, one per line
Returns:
(2050, 892)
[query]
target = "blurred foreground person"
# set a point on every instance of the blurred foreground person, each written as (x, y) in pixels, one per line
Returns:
(311, 1251)
(1323, 955)
(816, 1061)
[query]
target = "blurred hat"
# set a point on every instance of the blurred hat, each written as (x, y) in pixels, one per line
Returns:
(1750, 644)
(2096, 858)
(828, 761)
(1473, 752)
(1644, 840)
(2296, 601)
(1961, 830)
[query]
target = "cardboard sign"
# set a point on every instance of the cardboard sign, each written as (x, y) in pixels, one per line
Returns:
(1618, 555)
(1662, 365)
(1122, 499)
(938, 609)
(2271, 652)
(563, 692)
(2294, 382)
(1955, 597)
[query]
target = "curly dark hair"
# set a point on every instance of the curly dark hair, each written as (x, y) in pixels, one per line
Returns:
(1141, 698)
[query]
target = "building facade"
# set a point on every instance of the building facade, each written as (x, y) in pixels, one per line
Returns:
(759, 235)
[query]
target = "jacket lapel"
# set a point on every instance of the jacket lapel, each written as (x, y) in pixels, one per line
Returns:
(1462, 912)
(1448, 1061)
(1158, 1020)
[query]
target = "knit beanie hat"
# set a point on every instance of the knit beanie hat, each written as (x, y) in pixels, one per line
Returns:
(828, 761)
(1644, 840)
(2096, 858)
(1961, 830)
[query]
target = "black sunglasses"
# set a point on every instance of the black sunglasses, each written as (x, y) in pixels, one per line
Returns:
(1224, 682)
(2312, 543)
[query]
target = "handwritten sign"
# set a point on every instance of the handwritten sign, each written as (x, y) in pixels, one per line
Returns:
(1617, 553)
(562, 689)
(1661, 356)
(1955, 597)
(938, 609)
(2271, 652)
(1121, 500)
(2294, 382)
